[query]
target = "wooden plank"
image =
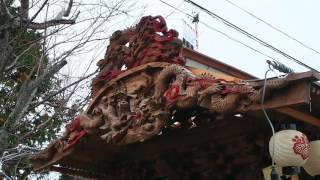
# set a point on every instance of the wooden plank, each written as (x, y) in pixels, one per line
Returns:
(86, 159)
(203, 59)
(206, 60)
(236, 127)
(309, 76)
(287, 97)
(300, 115)
(218, 75)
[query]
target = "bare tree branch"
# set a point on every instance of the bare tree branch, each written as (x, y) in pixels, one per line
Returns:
(26, 94)
(39, 10)
(30, 101)
(9, 2)
(5, 50)
(68, 10)
(50, 72)
(24, 10)
(43, 45)
(4, 11)
(54, 22)
(63, 89)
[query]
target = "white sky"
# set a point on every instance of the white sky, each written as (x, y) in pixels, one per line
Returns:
(295, 17)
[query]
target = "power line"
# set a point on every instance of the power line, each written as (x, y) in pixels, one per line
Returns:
(174, 9)
(236, 40)
(250, 35)
(273, 27)
(220, 32)
(224, 34)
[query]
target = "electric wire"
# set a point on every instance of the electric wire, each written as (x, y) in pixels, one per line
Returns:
(174, 10)
(224, 21)
(266, 114)
(236, 40)
(218, 31)
(273, 27)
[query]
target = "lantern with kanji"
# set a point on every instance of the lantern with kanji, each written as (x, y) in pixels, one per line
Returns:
(312, 166)
(291, 148)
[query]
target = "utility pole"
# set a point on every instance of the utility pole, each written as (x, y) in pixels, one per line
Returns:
(195, 21)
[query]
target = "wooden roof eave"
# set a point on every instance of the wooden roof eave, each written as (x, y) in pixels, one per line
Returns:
(87, 155)
(214, 63)
(280, 103)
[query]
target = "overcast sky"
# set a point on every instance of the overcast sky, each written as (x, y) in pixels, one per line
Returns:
(295, 17)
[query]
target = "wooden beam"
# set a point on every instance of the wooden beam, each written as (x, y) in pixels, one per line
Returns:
(308, 76)
(216, 131)
(300, 116)
(287, 97)
(206, 60)
(216, 74)
(77, 172)
(213, 63)
(88, 154)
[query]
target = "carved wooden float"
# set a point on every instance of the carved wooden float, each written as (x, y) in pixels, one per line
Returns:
(92, 148)
(158, 105)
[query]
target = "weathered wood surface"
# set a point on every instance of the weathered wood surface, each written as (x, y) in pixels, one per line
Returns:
(309, 76)
(206, 60)
(127, 74)
(295, 94)
(229, 70)
(300, 115)
(86, 162)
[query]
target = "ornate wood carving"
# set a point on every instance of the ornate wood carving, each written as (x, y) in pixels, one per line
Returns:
(151, 96)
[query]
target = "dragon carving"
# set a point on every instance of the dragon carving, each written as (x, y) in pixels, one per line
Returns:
(217, 95)
(138, 103)
(148, 41)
